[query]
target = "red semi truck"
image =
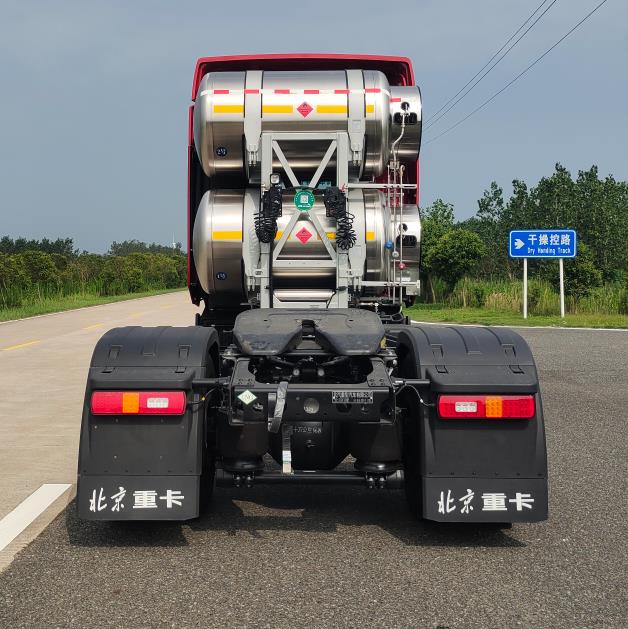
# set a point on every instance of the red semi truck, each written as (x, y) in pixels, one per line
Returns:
(304, 238)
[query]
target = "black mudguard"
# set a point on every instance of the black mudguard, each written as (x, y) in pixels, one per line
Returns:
(472, 470)
(145, 467)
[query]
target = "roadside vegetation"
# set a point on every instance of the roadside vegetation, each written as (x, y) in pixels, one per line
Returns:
(40, 276)
(468, 276)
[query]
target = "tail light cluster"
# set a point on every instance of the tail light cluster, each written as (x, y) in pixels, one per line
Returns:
(138, 403)
(486, 406)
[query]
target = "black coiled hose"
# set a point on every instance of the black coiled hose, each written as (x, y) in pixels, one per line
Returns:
(266, 218)
(336, 206)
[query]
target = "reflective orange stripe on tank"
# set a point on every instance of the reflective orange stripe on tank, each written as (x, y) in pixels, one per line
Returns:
(287, 109)
(228, 109)
(227, 235)
(277, 109)
(331, 109)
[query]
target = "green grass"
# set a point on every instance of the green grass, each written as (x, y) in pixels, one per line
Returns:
(60, 303)
(442, 313)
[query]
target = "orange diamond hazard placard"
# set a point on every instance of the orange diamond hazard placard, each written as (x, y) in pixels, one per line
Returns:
(303, 235)
(305, 109)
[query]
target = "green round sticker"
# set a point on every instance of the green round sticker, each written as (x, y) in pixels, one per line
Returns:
(304, 200)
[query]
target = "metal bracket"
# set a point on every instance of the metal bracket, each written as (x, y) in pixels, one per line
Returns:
(276, 406)
(270, 144)
(286, 449)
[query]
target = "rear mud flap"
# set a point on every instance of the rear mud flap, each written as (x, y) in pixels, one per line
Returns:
(473, 470)
(146, 467)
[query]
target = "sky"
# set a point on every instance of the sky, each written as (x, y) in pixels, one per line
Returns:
(94, 98)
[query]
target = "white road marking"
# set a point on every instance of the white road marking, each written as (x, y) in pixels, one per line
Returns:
(519, 327)
(29, 510)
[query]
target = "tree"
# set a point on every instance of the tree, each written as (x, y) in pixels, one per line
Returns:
(490, 226)
(436, 220)
(455, 254)
(62, 246)
(581, 274)
(12, 273)
(128, 247)
(40, 268)
(602, 221)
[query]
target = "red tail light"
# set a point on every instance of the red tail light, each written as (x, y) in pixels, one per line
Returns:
(138, 403)
(486, 406)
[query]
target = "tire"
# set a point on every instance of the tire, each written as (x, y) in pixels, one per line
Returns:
(411, 444)
(412, 467)
(207, 481)
(208, 473)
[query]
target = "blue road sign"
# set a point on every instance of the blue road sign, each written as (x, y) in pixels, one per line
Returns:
(542, 243)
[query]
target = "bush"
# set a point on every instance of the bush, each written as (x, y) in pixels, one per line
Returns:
(158, 270)
(623, 302)
(581, 274)
(454, 255)
(12, 273)
(14, 281)
(40, 268)
(543, 299)
(29, 276)
(121, 275)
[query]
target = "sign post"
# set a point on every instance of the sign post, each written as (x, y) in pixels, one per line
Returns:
(543, 243)
(525, 288)
(562, 288)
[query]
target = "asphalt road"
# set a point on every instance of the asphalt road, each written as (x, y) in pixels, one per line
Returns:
(43, 367)
(340, 556)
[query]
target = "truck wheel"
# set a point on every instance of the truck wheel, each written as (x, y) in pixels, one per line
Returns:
(207, 480)
(411, 466)
(411, 439)
(208, 473)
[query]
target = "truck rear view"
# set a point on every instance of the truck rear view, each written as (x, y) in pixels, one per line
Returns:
(304, 246)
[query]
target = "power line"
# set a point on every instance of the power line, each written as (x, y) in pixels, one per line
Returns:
(489, 61)
(503, 89)
(436, 118)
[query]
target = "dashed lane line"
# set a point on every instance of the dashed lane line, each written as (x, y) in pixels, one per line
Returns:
(28, 511)
(94, 326)
(19, 346)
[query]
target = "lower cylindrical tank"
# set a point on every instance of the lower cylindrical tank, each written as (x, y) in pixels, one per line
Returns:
(223, 215)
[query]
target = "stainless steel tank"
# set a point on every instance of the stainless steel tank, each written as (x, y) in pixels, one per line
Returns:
(218, 238)
(233, 108)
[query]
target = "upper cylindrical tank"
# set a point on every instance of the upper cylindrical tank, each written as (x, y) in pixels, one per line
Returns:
(233, 108)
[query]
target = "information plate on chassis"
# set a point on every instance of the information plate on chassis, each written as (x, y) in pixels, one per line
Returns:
(352, 397)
